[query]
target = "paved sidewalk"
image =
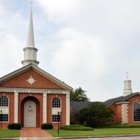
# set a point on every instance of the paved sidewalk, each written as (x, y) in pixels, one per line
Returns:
(34, 132)
(109, 138)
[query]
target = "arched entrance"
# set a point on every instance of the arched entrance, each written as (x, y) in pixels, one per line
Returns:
(30, 114)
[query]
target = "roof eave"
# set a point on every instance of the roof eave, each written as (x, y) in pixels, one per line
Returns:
(42, 72)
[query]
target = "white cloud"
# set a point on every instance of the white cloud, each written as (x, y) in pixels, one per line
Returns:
(11, 34)
(86, 43)
(80, 56)
(58, 10)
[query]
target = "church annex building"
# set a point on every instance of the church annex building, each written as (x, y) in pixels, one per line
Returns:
(30, 96)
(125, 107)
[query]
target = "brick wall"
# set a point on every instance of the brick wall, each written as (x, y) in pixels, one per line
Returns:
(20, 81)
(38, 99)
(130, 109)
(11, 107)
(62, 97)
(117, 110)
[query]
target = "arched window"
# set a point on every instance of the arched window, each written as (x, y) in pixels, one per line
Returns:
(3, 101)
(56, 102)
(56, 107)
(4, 109)
(136, 109)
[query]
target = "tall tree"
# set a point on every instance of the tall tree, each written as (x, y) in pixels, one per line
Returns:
(96, 114)
(78, 95)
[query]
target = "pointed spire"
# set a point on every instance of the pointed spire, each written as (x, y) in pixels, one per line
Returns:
(30, 37)
(30, 50)
(127, 75)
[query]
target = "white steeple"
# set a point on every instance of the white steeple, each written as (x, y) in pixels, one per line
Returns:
(127, 86)
(30, 50)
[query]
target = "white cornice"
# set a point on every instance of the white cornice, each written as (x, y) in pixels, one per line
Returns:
(124, 102)
(30, 90)
(38, 70)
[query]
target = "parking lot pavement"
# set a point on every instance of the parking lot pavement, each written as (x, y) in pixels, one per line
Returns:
(116, 138)
(109, 138)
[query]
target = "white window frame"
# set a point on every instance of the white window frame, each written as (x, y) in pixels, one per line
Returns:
(5, 109)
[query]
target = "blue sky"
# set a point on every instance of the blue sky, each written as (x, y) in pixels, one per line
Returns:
(85, 43)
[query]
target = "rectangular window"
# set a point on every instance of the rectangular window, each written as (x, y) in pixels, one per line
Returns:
(137, 115)
(4, 117)
(56, 118)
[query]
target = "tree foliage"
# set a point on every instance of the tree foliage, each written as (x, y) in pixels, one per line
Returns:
(78, 95)
(96, 114)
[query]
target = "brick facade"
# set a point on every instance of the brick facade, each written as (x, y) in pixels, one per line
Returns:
(20, 81)
(128, 112)
(26, 91)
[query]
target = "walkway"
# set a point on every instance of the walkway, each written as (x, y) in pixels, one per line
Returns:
(34, 132)
(39, 134)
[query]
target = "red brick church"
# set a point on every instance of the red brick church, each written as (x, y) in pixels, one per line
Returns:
(125, 107)
(31, 96)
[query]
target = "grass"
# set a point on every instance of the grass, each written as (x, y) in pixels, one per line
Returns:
(5, 133)
(95, 132)
(76, 127)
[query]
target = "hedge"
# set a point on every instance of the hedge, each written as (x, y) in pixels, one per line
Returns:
(16, 126)
(76, 127)
(47, 126)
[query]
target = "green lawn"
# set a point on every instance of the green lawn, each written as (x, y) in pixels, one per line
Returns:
(95, 132)
(5, 133)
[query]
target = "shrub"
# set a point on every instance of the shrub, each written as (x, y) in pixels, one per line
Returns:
(76, 127)
(47, 126)
(15, 126)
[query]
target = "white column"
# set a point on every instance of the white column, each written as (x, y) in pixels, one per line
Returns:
(125, 113)
(16, 107)
(67, 109)
(44, 107)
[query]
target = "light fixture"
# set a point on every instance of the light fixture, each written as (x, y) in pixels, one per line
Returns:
(30, 108)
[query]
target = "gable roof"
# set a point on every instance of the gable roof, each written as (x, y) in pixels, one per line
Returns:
(37, 69)
(120, 99)
(77, 106)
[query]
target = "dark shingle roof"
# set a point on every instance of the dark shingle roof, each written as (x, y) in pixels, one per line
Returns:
(120, 99)
(77, 106)
(113, 100)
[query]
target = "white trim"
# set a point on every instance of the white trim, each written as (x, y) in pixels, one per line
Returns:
(124, 113)
(30, 116)
(60, 102)
(124, 102)
(5, 109)
(133, 112)
(67, 109)
(56, 110)
(15, 107)
(44, 107)
(32, 90)
(38, 70)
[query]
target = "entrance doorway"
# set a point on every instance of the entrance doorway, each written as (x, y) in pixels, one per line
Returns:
(29, 114)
